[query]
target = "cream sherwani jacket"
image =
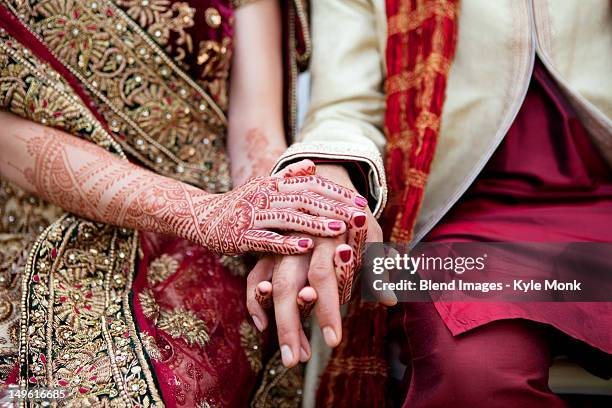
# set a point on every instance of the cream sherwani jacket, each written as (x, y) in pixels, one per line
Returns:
(498, 43)
(497, 46)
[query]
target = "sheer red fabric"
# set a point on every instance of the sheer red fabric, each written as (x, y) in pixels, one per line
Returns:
(199, 284)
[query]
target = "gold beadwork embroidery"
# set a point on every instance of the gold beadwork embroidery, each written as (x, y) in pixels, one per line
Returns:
(184, 324)
(161, 268)
(280, 386)
(161, 17)
(215, 58)
(14, 250)
(76, 328)
(78, 332)
(250, 342)
(213, 18)
(150, 346)
(150, 308)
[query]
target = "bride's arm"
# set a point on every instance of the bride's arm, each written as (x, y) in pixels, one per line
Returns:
(85, 179)
(256, 137)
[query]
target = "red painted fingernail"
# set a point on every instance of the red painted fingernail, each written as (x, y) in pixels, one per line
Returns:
(335, 225)
(359, 220)
(345, 255)
(361, 202)
(304, 243)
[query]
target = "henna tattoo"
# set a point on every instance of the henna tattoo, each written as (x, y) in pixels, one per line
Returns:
(306, 300)
(86, 180)
(261, 157)
(263, 294)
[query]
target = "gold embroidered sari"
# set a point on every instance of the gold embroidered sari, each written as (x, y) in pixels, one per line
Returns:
(84, 306)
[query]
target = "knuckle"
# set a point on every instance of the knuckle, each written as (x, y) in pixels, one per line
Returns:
(282, 286)
(319, 272)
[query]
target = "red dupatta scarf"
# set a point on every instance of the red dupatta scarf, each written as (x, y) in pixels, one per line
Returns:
(421, 44)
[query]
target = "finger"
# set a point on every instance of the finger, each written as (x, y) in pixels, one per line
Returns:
(302, 168)
(315, 204)
(262, 272)
(305, 351)
(286, 280)
(268, 241)
(263, 294)
(344, 262)
(324, 187)
(322, 278)
(306, 300)
(357, 235)
(387, 297)
(287, 219)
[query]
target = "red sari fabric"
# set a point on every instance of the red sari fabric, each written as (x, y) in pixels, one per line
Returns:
(545, 183)
(190, 373)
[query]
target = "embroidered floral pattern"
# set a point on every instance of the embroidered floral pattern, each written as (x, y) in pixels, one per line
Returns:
(184, 324)
(150, 346)
(14, 249)
(76, 327)
(280, 386)
(75, 302)
(161, 268)
(150, 308)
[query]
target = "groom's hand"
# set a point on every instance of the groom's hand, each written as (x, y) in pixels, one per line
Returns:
(331, 266)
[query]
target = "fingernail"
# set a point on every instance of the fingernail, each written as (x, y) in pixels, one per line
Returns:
(286, 355)
(330, 336)
(334, 225)
(345, 255)
(361, 202)
(304, 243)
(258, 323)
(303, 355)
(359, 220)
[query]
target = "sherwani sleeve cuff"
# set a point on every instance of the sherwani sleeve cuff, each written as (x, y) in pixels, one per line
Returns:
(348, 144)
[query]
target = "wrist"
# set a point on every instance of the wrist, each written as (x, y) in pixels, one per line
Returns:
(337, 173)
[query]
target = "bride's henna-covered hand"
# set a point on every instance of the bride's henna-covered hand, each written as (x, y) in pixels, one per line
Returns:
(87, 180)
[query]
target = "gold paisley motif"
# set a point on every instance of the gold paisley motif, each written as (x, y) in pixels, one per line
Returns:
(161, 268)
(150, 346)
(184, 324)
(150, 308)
